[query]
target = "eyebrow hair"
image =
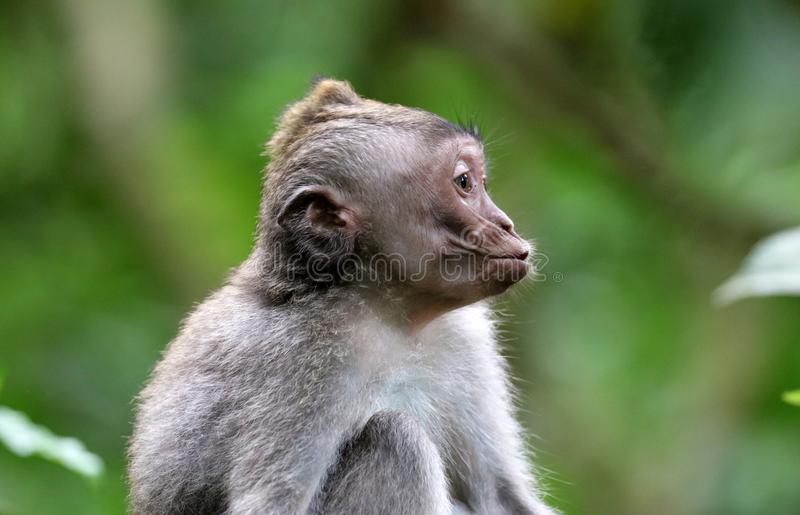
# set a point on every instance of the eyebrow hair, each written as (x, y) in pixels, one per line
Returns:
(469, 130)
(462, 127)
(469, 125)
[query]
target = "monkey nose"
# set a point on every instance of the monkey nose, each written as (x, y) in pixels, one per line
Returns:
(522, 256)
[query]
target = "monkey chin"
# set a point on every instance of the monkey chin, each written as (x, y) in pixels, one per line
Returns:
(501, 273)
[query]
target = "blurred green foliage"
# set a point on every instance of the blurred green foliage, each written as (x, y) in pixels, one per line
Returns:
(24, 438)
(792, 397)
(646, 145)
(772, 268)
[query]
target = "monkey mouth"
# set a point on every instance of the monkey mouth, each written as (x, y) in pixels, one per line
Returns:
(509, 267)
(522, 255)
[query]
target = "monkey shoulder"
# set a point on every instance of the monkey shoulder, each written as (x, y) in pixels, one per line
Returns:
(235, 323)
(239, 353)
(238, 367)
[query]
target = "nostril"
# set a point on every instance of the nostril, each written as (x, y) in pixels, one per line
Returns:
(523, 255)
(507, 225)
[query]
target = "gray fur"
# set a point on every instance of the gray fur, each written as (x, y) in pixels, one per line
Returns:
(283, 395)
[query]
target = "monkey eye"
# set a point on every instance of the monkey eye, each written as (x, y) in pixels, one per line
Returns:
(463, 180)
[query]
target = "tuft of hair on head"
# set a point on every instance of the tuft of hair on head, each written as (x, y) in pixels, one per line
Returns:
(325, 92)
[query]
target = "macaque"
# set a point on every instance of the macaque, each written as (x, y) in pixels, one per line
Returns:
(349, 364)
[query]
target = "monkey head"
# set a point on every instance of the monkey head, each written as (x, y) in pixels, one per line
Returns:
(384, 197)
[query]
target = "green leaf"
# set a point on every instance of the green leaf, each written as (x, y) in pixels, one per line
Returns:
(772, 268)
(792, 397)
(25, 438)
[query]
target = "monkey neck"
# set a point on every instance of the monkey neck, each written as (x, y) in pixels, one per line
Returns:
(408, 312)
(418, 318)
(275, 276)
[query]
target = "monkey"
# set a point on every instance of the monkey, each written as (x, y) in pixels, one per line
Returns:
(349, 365)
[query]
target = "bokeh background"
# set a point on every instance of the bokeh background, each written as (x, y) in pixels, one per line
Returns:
(645, 144)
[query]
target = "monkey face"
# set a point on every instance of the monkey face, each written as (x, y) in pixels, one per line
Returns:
(456, 245)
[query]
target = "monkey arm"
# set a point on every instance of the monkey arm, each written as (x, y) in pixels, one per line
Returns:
(282, 453)
(391, 466)
(496, 477)
(273, 480)
(485, 447)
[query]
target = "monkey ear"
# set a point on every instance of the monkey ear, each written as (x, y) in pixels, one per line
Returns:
(322, 207)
